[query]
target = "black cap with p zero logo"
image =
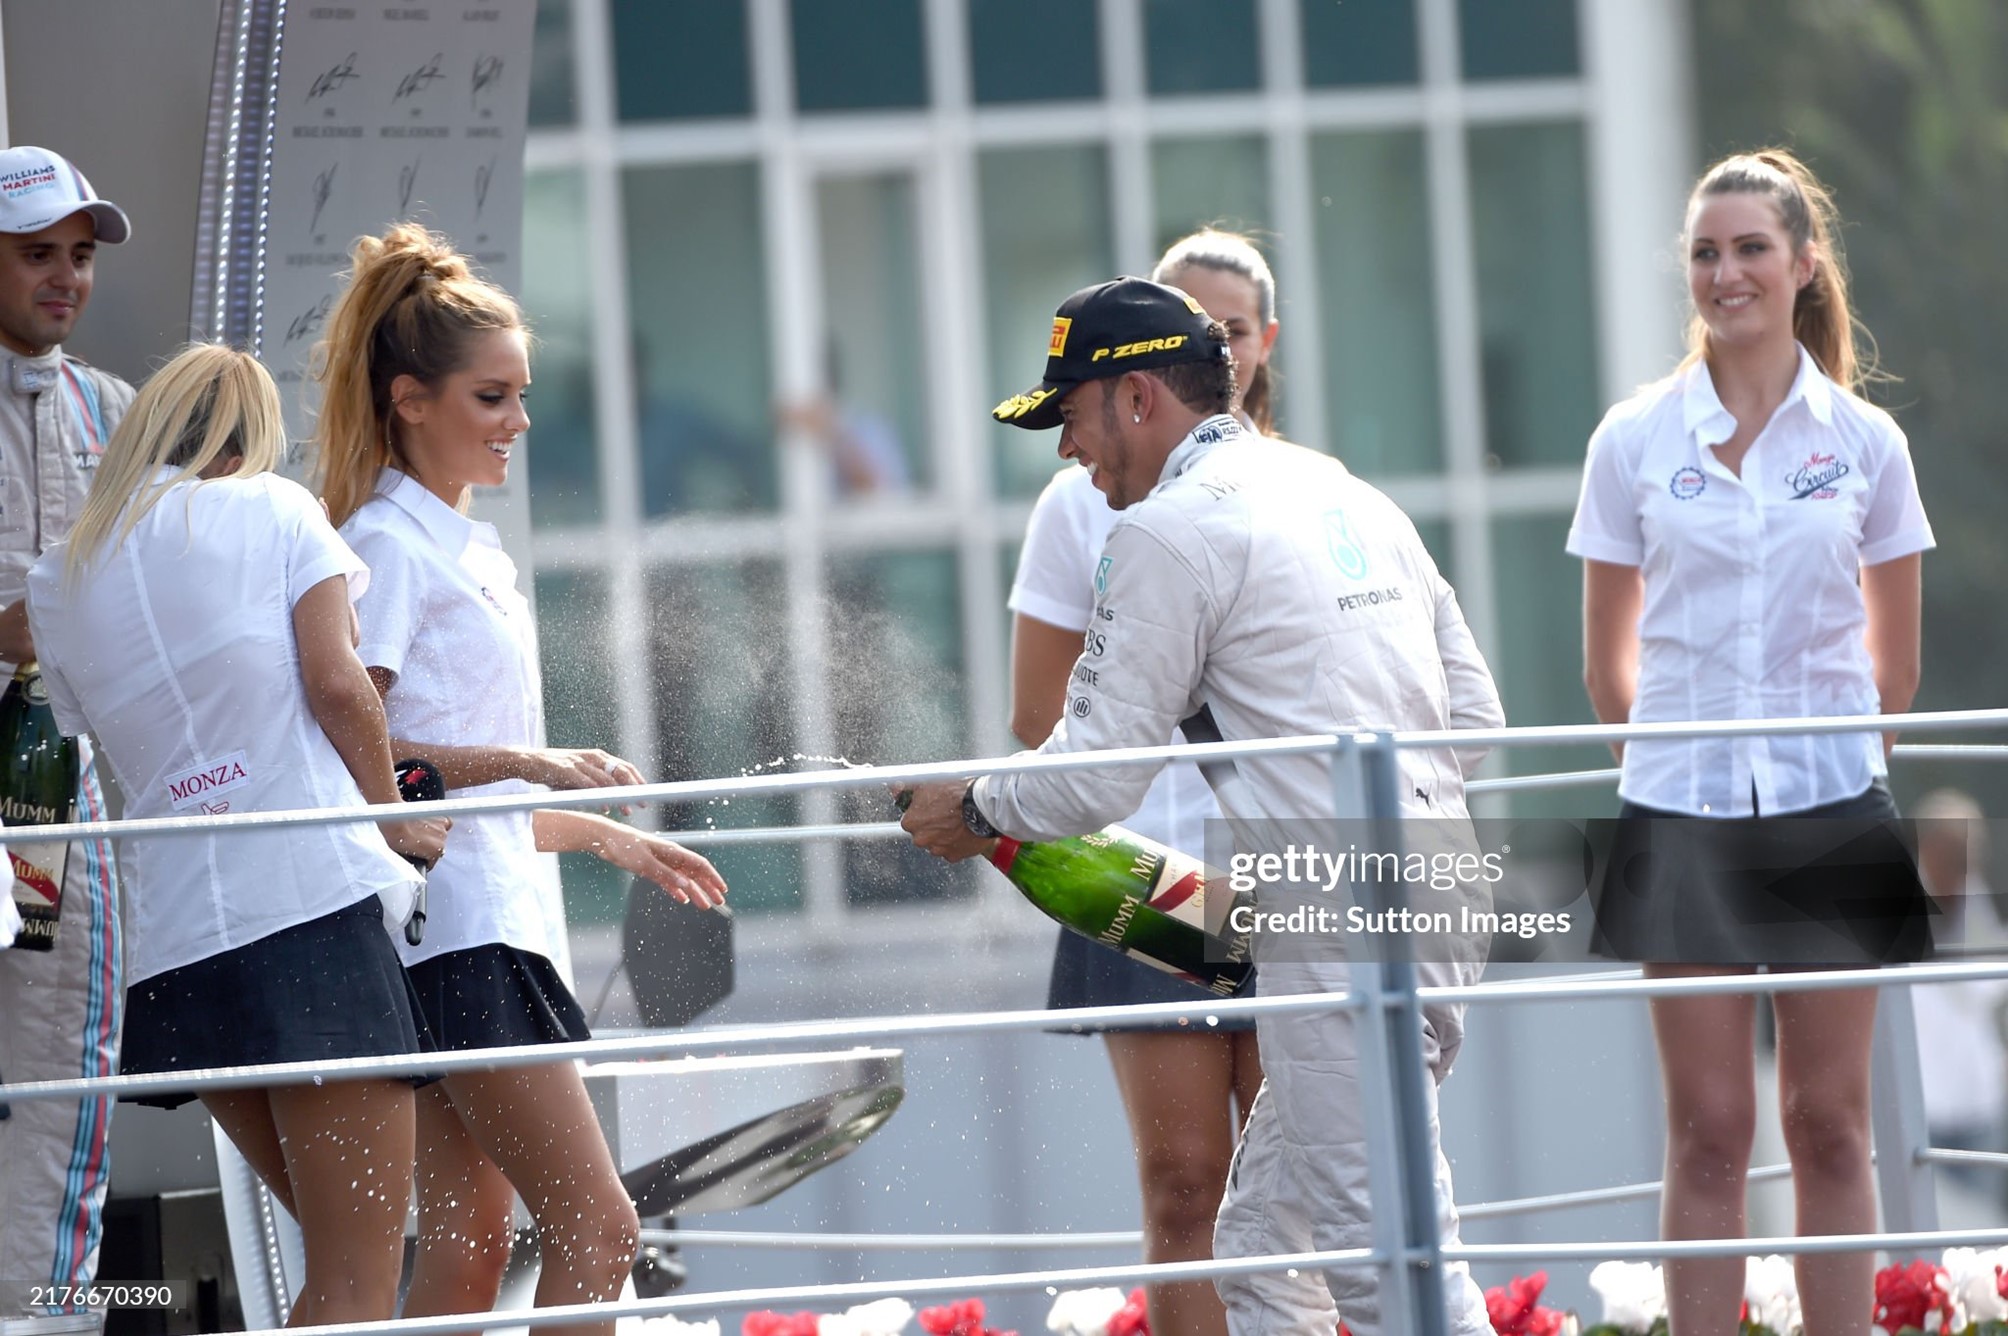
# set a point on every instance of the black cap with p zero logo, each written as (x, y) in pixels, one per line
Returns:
(1126, 324)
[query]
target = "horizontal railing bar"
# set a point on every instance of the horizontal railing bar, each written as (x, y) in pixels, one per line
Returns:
(1654, 1250)
(874, 1242)
(858, 1292)
(1489, 1210)
(887, 776)
(1742, 982)
(682, 1044)
(1988, 1159)
(692, 1043)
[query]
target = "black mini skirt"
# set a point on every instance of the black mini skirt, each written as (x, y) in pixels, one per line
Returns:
(496, 996)
(1835, 885)
(1088, 974)
(325, 989)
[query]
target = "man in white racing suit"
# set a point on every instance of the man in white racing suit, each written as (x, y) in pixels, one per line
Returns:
(60, 1009)
(1262, 582)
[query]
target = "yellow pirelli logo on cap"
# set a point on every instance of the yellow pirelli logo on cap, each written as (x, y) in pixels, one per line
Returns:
(1057, 345)
(1139, 348)
(1018, 405)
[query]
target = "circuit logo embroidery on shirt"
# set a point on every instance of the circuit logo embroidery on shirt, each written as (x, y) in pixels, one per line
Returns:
(1815, 478)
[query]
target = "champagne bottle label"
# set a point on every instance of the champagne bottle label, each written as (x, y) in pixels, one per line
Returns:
(1134, 896)
(38, 890)
(38, 785)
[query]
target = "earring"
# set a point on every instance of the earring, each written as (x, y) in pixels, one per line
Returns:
(1136, 417)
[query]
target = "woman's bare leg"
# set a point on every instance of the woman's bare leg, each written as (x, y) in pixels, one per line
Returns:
(1707, 1062)
(1178, 1090)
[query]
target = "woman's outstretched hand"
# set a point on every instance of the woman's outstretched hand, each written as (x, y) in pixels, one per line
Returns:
(687, 875)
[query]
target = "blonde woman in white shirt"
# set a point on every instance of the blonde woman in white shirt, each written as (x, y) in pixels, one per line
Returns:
(1751, 534)
(1186, 1090)
(425, 371)
(198, 625)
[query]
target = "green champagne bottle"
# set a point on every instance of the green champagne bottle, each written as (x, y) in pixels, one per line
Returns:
(1133, 895)
(38, 787)
(1136, 896)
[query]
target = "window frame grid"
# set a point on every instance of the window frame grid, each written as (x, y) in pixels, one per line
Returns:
(1633, 307)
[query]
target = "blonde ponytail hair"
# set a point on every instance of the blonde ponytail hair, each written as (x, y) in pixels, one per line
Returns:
(413, 307)
(210, 402)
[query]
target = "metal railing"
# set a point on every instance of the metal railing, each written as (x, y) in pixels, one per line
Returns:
(1407, 1251)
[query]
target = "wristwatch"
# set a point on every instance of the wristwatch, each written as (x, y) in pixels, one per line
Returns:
(972, 817)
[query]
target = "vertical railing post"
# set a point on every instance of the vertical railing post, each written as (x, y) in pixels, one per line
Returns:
(1905, 1183)
(1401, 1165)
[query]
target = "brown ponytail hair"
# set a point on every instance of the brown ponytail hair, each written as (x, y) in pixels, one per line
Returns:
(412, 308)
(1231, 253)
(1822, 318)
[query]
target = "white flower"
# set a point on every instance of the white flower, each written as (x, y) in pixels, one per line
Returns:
(666, 1325)
(1771, 1288)
(1970, 1279)
(1085, 1312)
(881, 1317)
(1634, 1294)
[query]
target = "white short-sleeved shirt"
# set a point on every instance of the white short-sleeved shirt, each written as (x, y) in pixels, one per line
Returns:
(444, 615)
(176, 651)
(1056, 585)
(1753, 605)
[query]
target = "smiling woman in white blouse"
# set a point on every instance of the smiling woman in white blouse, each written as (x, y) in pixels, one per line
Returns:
(1751, 535)
(425, 372)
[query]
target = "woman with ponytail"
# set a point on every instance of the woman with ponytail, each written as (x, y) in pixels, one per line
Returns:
(424, 374)
(1751, 535)
(198, 625)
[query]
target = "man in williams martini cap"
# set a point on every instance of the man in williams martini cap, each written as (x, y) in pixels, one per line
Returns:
(39, 189)
(60, 1008)
(1251, 589)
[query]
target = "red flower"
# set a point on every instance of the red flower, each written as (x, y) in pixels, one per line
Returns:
(1907, 1294)
(962, 1318)
(1133, 1318)
(779, 1324)
(2001, 1281)
(1515, 1309)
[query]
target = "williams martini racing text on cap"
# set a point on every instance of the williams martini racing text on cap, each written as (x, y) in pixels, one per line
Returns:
(39, 189)
(1126, 324)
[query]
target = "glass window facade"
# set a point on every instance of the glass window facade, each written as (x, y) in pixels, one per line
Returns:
(1376, 300)
(1538, 662)
(557, 297)
(697, 295)
(862, 55)
(1537, 322)
(1359, 43)
(1200, 46)
(1046, 233)
(1034, 50)
(1218, 181)
(677, 59)
(579, 711)
(554, 94)
(901, 268)
(875, 351)
(1518, 39)
(720, 678)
